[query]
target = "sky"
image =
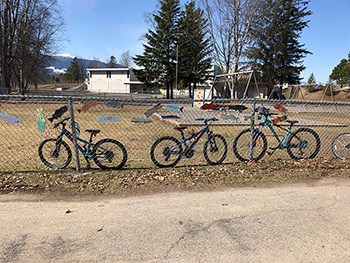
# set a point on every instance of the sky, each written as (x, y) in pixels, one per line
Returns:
(101, 28)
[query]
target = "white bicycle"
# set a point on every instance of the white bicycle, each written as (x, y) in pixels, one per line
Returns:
(341, 146)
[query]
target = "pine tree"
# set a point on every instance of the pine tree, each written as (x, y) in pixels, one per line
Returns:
(311, 83)
(276, 50)
(157, 62)
(73, 72)
(194, 47)
(312, 79)
(112, 63)
(341, 73)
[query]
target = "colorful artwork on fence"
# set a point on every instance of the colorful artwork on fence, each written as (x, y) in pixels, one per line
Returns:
(174, 107)
(153, 109)
(41, 120)
(170, 117)
(87, 105)
(9, 118)
(108, 118)
(58, 113)
(280, 108)
(114, 104)
(208, 106)
(229, 118)
(140, 120)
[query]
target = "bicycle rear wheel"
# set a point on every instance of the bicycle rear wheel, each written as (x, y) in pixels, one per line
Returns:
(166, 152)
(341, 146)
(241, 145)
(215, 149)
(109, 154)
(54, 154)
(304, 144)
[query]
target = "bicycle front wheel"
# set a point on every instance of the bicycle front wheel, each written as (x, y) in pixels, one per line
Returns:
(304, 144)
(241, 145)
(109, 154)
(55, 154)
(215, 149)
(166, 152)
(341, 146)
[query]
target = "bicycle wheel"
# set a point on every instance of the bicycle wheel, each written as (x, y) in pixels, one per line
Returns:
(166, 152)
(241, 145)
(303, 144)
(53, 154)
(109, 154)
(215, 149)
(341, 146)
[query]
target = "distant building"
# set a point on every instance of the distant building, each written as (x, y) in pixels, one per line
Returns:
(123, 80)
(113, 80)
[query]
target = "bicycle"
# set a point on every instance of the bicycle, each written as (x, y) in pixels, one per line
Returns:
(106, 153)
(215, 147)
(304, 143)
(341, 146)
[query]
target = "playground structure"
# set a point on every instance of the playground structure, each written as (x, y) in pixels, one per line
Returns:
(235, 85)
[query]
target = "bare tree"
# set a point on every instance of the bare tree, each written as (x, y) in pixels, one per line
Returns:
(28, 31)
(126, 59)
(229, 25)
(95, 63)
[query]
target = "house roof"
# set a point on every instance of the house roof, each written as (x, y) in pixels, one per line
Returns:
(107, 69)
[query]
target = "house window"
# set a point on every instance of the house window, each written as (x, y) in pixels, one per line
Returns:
(109, 74)
(127, 74)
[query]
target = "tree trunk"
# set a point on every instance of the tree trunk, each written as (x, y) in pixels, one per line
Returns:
(168, 90)
(171, 92)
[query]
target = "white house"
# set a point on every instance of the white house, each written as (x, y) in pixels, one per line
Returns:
(113, 80)
(123, 80)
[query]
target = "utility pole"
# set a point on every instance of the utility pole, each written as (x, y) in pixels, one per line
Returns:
(177, 64)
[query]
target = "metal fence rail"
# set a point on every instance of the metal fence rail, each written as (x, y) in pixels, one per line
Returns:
(25, 123)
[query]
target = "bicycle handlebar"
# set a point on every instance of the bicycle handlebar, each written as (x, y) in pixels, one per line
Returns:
(61, 122)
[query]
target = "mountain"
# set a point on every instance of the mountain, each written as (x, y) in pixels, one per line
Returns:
(58, 63)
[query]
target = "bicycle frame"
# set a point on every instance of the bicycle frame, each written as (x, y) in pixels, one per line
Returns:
(69, 135)
(281, 144)
(198, 135)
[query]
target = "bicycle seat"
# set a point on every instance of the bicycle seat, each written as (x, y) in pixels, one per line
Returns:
(292, 122)
(180, 128)
(93, 131)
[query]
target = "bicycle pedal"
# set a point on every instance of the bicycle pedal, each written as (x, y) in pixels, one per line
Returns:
(269, 153)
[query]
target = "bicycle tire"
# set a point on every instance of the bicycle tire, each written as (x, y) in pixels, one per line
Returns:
(175, 143)
(291, 145)
(209, 142)
(337, 147)
(257, 136)
(51, 164)
(98, 149)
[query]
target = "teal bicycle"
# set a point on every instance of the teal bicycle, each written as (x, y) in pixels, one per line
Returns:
(304, 143)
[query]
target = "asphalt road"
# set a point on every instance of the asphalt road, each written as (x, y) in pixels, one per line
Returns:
(304, 222)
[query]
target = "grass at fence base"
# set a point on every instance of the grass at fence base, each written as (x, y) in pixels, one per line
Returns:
(157, 180)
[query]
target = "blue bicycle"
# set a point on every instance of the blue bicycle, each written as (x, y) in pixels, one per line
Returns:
(106, 153)
(304, 143)
(167, 151)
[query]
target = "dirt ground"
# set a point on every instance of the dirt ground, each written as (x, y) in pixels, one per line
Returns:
(144, 181)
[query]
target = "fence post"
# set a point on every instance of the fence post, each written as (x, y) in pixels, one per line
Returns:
(252, 122)
(74, 132)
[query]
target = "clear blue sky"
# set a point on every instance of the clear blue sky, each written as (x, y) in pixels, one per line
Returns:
(100, 28)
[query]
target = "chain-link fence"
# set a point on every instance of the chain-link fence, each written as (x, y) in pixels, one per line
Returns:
(26, 121)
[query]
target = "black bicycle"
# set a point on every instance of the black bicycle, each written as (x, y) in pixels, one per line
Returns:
(106, 153)
(167, 151)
